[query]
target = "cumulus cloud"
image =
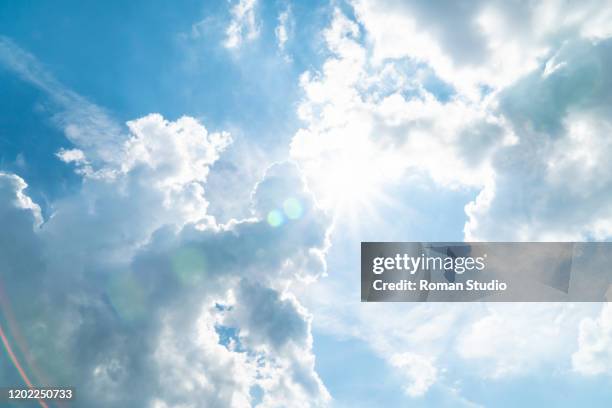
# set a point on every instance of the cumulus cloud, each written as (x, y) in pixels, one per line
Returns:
(163, 164)
(499, 101)
(13, 192)
(526, 123)
(508, 100)
(480, 43)
(381, 122)
(145, 290)
(143, 298)
(553, 183)
(534, 145)
(387, 123)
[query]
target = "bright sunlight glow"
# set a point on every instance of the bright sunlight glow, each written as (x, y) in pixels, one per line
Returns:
(351, 180)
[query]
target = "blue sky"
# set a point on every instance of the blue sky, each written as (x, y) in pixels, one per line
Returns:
(185, 186)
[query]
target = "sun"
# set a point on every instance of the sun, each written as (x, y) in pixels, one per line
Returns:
(351, 180)
(347, 181)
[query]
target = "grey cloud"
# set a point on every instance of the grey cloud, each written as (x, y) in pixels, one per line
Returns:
(541, 102)
(127, 285)
(271, 320)
(555, 181)
(452, 22)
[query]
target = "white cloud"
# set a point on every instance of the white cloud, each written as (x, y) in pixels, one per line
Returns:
(386, 123)
(516, 339)
(164, 164)
(193, 362)
(284, 28)
(419, 370)
(546, 123)
(533, 144)
(143, 298)
(244, 25)
(518, 124)
(525, 122)
(12, 189)
(72, 156)
(152, 291)
(145, 262)
(480, 43)
(594, 354)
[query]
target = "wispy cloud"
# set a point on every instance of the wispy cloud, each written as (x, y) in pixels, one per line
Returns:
(244, 25)
(85, 124)
(284, 29)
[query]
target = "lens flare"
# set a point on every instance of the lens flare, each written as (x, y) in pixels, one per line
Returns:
(293, 209)
(275, 218)
(127, 296)
(17, 365)
(189, 265)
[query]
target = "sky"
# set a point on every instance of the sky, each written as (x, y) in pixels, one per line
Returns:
(185, 185)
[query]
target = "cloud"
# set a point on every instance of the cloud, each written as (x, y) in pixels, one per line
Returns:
(284, 29)
(243, 25)
(373, 99)
(387, 123)
(484, 97)
(13, 192)
(162, 166)
(533, 145)
(167, 301)
(419, 370)
(144, 300)
(480, 43)
(593, 356)
(85, 124)
(139, 288)
(553, 183)
(506, 341)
